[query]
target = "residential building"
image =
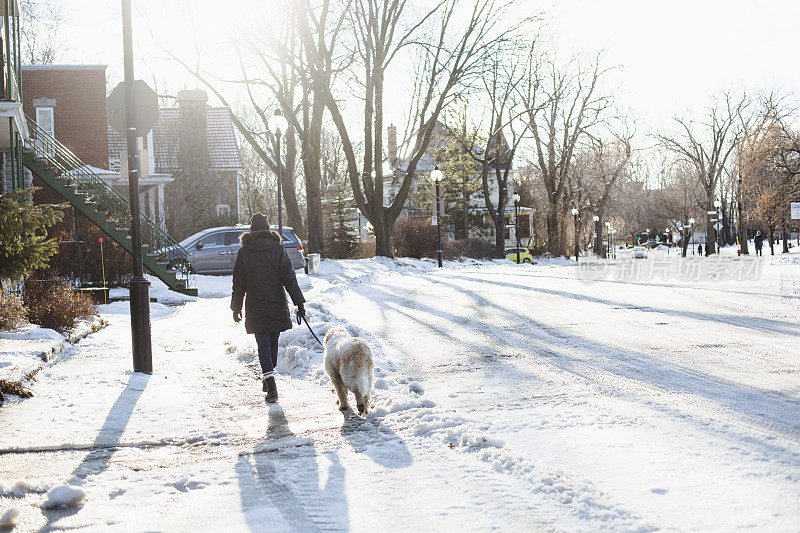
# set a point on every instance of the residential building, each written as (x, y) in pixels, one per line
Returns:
(192, 156)
(13, 126)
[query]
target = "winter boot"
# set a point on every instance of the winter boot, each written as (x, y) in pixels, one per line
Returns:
(271, 390)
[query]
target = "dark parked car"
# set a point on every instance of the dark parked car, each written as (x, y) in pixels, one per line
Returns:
(213, 250)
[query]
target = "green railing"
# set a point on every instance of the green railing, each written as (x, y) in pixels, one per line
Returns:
(76, 173)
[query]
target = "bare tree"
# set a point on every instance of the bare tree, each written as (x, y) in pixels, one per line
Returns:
(41, 22)
(449, 54)
(595, 175)
(261, 142)
(562, 107)
(707, 145)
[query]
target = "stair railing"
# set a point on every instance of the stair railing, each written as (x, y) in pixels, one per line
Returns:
(67, 166)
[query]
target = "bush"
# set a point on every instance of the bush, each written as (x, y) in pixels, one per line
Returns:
(12, 312)
(365, 250)
(416, 238)
(54, 304)
(473, 248)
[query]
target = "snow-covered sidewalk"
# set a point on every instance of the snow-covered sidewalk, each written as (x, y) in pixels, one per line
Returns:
(510, 397)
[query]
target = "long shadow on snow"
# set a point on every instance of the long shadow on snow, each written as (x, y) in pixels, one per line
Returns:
(282, 473)
(370, 437)
(103, 447)
(550, 342)
(760, 324)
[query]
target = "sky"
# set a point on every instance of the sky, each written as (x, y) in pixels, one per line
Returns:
(668, 58)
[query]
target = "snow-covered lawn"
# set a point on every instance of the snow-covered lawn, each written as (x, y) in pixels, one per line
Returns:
(511, 397)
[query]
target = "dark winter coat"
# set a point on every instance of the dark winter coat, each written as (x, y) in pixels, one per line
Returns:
(758, 240)
(262, 271)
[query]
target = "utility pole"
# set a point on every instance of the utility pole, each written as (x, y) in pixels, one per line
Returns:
(139, 285)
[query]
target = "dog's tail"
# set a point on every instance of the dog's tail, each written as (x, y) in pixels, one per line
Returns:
(363, 382)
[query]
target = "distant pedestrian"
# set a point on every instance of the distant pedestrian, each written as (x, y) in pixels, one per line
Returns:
(758, 240)
(262, 271)
(706, 249)
(700, 250)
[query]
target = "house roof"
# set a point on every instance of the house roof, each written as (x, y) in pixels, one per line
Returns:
(223, 149)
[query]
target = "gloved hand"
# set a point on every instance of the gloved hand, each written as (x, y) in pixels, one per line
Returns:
(301, 311)
(237, 316)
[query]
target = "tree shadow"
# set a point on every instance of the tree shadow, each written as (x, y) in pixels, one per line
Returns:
(105, 443)
(754, 323)
(369, 436)
(279, 480)
(596, 362)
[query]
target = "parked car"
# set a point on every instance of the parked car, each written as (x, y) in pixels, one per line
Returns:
(524, 255)
(214, 250)
(639, 252)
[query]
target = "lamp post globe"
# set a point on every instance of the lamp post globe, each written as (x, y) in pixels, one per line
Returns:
(436, 176)
(278, 125)
(717, 204)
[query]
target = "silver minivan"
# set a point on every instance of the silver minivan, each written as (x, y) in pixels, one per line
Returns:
(213, 250)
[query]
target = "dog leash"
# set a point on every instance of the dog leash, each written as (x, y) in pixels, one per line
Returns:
(309, 329)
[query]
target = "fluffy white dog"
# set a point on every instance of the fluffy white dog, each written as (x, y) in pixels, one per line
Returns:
(348, 361)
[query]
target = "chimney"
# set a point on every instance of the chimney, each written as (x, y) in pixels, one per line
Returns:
(391, 133)
(192, 139)
(196, 97)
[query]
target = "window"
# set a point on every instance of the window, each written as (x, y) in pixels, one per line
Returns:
(215, 239)
(45, 122)
(232, 237)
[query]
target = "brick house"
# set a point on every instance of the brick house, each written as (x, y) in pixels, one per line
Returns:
(192, 143)
(68, 102)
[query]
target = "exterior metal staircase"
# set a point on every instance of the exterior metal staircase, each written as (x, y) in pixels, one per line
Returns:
(57, 166)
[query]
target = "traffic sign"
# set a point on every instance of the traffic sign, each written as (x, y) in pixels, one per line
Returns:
(718, 226)
(795, 210)
(145, 106)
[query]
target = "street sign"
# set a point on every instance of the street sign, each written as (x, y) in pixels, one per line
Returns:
(711, 212)
(434, 221)
(718, 226)
(795, 210)
(146, 104)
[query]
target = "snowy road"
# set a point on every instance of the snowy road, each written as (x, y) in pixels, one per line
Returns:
(511, 397)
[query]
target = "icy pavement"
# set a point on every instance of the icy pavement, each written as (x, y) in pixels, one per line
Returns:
(508, 397)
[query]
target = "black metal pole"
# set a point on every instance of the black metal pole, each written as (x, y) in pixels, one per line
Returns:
(516, 226)
(438, 227)
(139, 285)
(280, 186)
(576, 237)
(598, 237)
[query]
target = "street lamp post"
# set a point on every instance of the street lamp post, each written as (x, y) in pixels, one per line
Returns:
(575, 219)
(515, 199)
(717, 206)
(436, 176)
(278, 125)
(691, 234)
(139, 285)
(598, 235)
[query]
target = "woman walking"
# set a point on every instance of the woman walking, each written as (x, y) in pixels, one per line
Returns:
(262, 271)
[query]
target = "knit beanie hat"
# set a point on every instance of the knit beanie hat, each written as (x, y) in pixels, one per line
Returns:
(259, 223)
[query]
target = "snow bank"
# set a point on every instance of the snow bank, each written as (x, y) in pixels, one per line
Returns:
(20, 488)
(64, 496)
(9, 518)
